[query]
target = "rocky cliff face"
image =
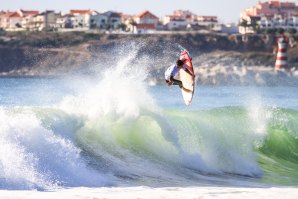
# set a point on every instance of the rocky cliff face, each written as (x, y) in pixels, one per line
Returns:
(58, 54)
(28, 61)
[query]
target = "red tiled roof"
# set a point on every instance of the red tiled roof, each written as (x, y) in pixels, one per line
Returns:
(15, 15)
(68, 15)
(30, 12)
(81, 12)
(6, 14)
(146, 26)
(274, 3)
(146, 12)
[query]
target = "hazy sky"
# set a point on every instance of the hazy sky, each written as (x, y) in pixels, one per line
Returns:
(226, 10)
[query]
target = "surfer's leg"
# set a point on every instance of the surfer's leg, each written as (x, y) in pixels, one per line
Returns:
(177, 82)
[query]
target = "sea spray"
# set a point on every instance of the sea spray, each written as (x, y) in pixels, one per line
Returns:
(34, 157)
(120, 89)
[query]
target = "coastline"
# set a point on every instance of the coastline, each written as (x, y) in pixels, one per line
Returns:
(218, 59)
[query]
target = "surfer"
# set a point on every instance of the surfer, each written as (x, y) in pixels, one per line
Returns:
(172, 71)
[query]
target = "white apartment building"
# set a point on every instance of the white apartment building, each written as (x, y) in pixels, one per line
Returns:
(181, 19)
(99, 21)
(80, 18)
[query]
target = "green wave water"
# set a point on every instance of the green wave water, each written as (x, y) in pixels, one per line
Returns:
(261, 144)
(278, 154)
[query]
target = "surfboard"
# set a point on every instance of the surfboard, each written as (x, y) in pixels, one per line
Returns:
(188, 80)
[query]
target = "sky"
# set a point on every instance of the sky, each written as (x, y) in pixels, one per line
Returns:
(227, 11)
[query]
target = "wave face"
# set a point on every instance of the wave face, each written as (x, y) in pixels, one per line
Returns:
(45, 148)
(114, 134)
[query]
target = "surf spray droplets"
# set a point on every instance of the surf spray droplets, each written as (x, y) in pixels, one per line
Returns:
(120, 89)
(33, 157)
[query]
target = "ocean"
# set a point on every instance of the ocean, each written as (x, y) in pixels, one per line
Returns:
(112, 135)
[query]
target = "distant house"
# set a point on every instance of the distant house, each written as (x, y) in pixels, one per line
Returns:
(89, 19)
(226, 28)
(269, 15)
(113, 19)
(17, 20)
(175, 23)
(10, 20)
(99, 21)
(81, 18)
(208, 21)
(27, 17)
(184, 19)
(145, 22)
(14, 21)
(46, 19)
(65, 21)
(146, 17)
(278, 21)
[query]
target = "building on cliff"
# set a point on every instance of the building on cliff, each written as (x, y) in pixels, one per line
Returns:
(269, 15)
(184, 19)
(91, 20)
(146, 22)
(44, 20)
(18, 20)
(83, 20)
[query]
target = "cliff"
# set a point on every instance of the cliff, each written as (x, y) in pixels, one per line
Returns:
(42, 54)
